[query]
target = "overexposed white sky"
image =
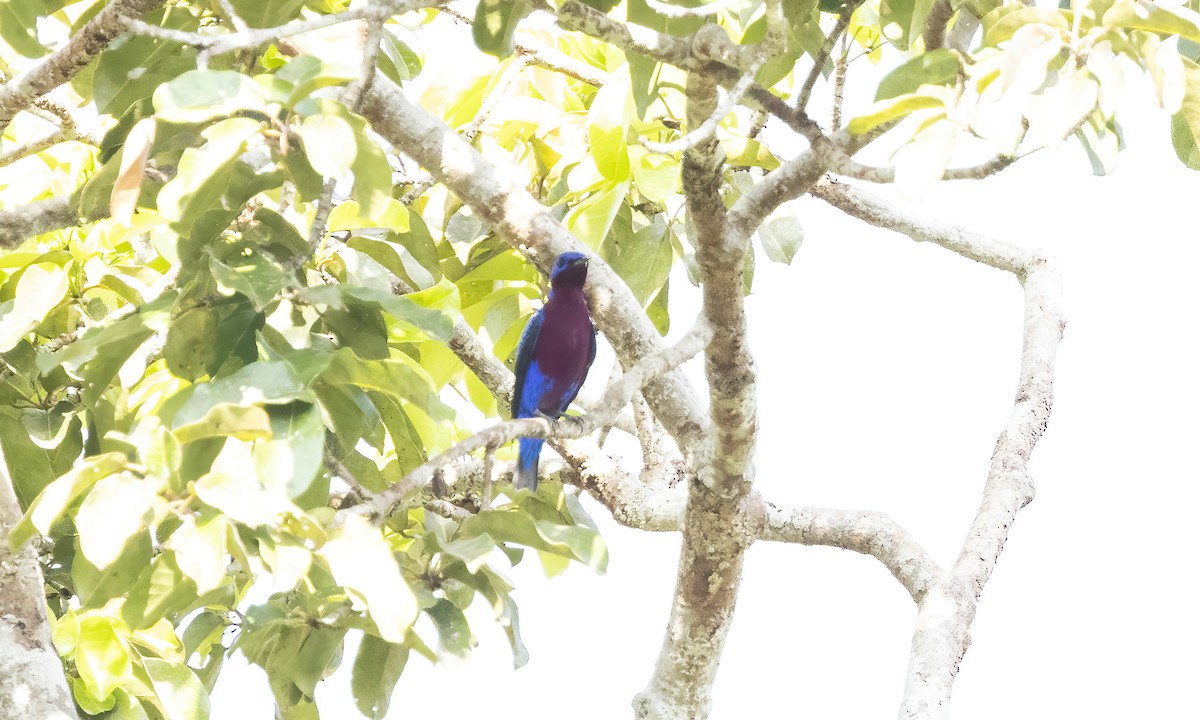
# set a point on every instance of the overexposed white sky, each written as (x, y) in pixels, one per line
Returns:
(886, 371)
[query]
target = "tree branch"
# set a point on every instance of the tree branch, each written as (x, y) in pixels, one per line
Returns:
(717, 528)
(866, 532)
(21, 223)
(822, 57)
(946, 611)
(32, 684)
(62, 65)
(616, 397)
(848, 167)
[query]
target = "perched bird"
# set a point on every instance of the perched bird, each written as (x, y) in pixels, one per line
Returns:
(553, 357)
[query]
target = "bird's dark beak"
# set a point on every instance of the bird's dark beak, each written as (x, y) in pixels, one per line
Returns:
(581, 261)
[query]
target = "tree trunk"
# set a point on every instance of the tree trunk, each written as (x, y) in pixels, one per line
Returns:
(32, 685)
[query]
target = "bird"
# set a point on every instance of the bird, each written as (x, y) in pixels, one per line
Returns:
(556, 349)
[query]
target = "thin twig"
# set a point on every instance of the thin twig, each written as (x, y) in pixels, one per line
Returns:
(843, 22)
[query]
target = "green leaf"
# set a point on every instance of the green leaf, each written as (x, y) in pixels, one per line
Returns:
(307, 74)
(350, 215)
(656, 176)
(161, 590)
(454, 632)
(58, 495)
(18, 27)
(204, 172)
(748, 152)
(399, 377)
(578, 543)
(432, 311)
(658, 312)
(29, 467)
(1185, 124)
(329, 143)
(321, 648)
(643, 260)
(101, 659)
(473, 552)
(362, 561)
(200, 549)
(201, 95)
(40, 289)
(133, 67)
(397, 61)
(267, 13)
(377, 668)
(781, 236)
(937, 67)
(179, 691)
(291, 459)
(372, 176)
(261, 382)
(242, 498)
(608, 120)
(252, 274)
(117, 507)
(496, 22)
(95, 586)
(226, 420)
(1003, 22)
(189, 348)
(1155, 17)
(891, 109)
(591, 219)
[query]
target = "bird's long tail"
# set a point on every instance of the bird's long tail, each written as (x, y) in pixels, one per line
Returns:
(527, 463)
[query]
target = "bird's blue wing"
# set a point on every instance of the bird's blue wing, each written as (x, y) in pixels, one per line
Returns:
(525, 348)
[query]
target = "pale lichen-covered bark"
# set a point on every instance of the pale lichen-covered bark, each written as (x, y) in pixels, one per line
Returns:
(717, 526)
(32, 684)
(62, 65)
(26, 221)
(945, 613)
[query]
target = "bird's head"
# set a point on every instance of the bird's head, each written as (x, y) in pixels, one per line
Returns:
(570, 270)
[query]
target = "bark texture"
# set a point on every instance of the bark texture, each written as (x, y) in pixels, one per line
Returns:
(32, 684)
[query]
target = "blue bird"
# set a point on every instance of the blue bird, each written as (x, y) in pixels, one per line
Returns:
(553, 357)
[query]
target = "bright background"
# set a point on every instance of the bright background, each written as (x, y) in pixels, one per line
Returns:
(886, 371)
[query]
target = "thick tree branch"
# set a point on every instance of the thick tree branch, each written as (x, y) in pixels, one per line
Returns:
(32, 684)
(21, 223)
(717, 528)
(945, 613)
(62, 65)
(527, 225)
(866, 532)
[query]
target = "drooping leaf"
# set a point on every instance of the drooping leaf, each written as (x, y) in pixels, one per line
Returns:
(377, 668)
(781, 236)
(1185, 124)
